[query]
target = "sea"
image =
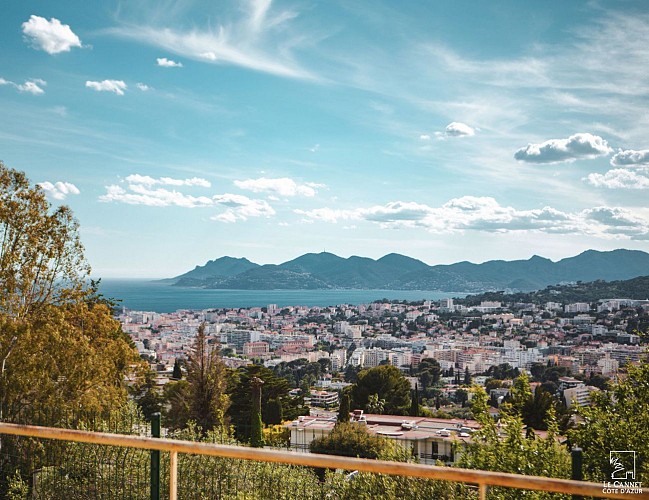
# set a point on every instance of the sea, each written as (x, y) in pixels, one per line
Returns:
(147, 295)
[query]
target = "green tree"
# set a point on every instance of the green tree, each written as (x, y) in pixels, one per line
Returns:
(389, 382)
(505, 448)
(375, 405)
(239, 411)
(350, 439)
(177, 373)
(343, 411)
(256, 425)
(414, 407)
(206, 375)
(617, 419)
(467, 376)
(274, 412)
(41, 255)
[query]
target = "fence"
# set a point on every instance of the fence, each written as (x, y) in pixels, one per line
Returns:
(279, 483)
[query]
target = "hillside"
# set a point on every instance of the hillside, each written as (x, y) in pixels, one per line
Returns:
(398, 272)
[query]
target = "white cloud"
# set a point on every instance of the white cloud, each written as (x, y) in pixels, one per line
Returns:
(282, 186)
(471, 213)
(619, 178)
(424, 137)
(576, 147)
(140, 190)
(138, 194)
(58, 190)
(116, 86)
(142, 86)
(457, 129)
(241, 208)
(33, 86)
(258, 37)
(630, 157)
(168, 63)
(167, 181)
(50, 36)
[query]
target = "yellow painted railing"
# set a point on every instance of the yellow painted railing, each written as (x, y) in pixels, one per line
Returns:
(482, 479)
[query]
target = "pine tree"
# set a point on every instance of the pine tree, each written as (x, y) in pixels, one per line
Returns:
(206, 375)
(467, 376)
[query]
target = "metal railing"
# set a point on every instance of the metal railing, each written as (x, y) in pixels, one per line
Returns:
(483, 479)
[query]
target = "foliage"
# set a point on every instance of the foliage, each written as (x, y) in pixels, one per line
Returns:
(41, 256)
(72, 356)
(504, 447)
(503, 371)
(351, 439)
(177, 373)
(277, 436)
(389, 382)
(274, 387)
(414, 407)
(617, 420)
(344, 409)
(206, 377)
(533, 408)
(256, 426)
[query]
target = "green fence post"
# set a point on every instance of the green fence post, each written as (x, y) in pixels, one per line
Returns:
(155, 458)
(577, 471)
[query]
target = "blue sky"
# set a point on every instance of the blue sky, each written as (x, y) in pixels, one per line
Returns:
(456, 130)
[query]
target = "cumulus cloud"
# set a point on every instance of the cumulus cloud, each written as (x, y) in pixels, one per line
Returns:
(282, 186)
(33, 86)
(144, 190)
(59, 190)
(629, 158)
(241, 208)
(139, 194)
(168, 63)
(167, 181)
(50, 36)
(576, 147)
(116, 86)
(619, 178)
(471, 213)
(142, 86)
(457, 129)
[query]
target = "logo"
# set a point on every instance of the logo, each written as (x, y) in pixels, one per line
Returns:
(623, 463)
(623, 478)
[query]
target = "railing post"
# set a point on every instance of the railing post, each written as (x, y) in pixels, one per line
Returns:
(577, 470)
(173, 475)
(155, 459)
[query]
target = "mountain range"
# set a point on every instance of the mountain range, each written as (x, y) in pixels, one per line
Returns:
(399, 272)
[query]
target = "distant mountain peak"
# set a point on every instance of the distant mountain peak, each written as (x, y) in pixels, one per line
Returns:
(399, 272)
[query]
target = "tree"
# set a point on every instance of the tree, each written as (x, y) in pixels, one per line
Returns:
(204, 395)
(389, 382)
(239, 411)
(511, 450)
(256, 425)
(375, 405)
(467, 376)
(41, 255)
(343, 411)
(618, 419)
(414, 407)
(274, 412)
(350, 439)
(177, 373)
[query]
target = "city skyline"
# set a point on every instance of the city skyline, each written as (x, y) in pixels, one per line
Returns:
(180, 132)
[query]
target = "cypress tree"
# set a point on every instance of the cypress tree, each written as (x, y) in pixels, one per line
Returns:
(414, 406)
(177, 373)
(343, 411)
(256, 431)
